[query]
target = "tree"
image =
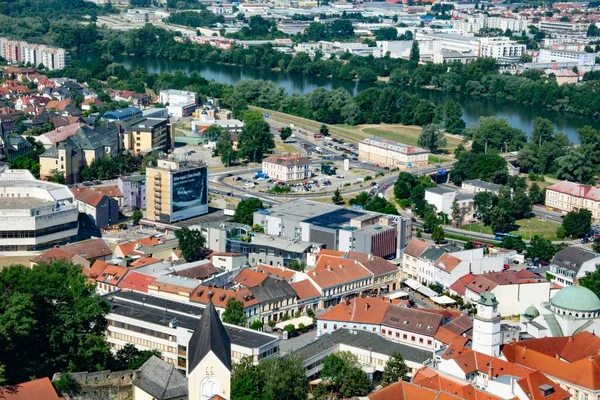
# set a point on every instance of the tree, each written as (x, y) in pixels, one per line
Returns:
(453, 121)
(501, 220)
(497, 134)
(577, 223)
(575, 166)
(255, 139)
(386, 34)
(593, 31)
(324, 130)
(540, 249)
(297, 266)
(458, 213)
(136, 216)
(536, 194)
(285, 133)
(591, 280)
(224, 147)
(430, 221)
(355, 383)
(513, 243)
(56, 176)
(337, 197)
(191, 243)
(129, 357)
(257, 325)
(284, 378)
(395, 369)
(234, 312)
(51, 320)
(484, 202)
(415, 55)
(438, 235)
(432, 138)
(244, 212)
(246, 380)
(596, 245)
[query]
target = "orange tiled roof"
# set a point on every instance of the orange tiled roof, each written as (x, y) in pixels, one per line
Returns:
(220, 296)
(128, 248)
(110, 191)
(88, 196)
(332, 271)
(250, 278)
(112, 275)
(280, 273)
(447, 262)
(32, 390)
(416, 247)
(53, 254)
(140, 262)
(136, 281)
(95, 270)
(461, 283)
(305, 289)
(532, 383)
(430, 379)
(360, 310)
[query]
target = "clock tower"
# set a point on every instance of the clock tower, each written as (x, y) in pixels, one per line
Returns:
(209, 358)
(486, 326)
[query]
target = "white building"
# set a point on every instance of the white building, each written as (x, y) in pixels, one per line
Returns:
(286, 168)
(503, 49)
(554, 56)
(571, 264)
(441, 198)
(15, 51)
(574, 28)
(392, 154)
(476, 186)
(179, 103)
(449, 41)
(34, 214)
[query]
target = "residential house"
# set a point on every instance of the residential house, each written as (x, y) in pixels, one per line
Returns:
(220, 297)
(442, 198)
(82, 253)
(107, 276)
(158, 247)
(102, 211)
(63, 107)
(34, 389)
(286, 168)
(477, 186)
(52, 138)
(515, 290)
(571, 264)
(56, 254)
(411, 265)
(568, 196)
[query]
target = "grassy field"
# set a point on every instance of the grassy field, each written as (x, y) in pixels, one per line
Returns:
(527, 228)
(399, 133)
(285, 148)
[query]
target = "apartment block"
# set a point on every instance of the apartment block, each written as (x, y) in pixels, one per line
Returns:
(286, 168)
(570, 196)
(148, 134)
(392, 154)
(20, 51)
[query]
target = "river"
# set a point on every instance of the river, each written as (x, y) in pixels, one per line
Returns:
(518, 115)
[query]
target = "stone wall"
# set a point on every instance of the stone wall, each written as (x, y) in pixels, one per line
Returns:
(102, 385)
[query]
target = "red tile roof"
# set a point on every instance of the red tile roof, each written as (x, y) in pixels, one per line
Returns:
(461, 283)
(333, 271)
(287, 160)
(89, 249)
(202, 271)
(277, 272)
(128, 248)
(88, 196)
(577, 190)
(359, 309)
(112, 275)
(220, 296)
(250, 278)
(95, 270)
(428, 378)
(416, 247)
(110, 191)
(52, 254)
(532, 384)
(140, 262)
(305, 289)
(136, 281)
(37, 389)
(447, 262)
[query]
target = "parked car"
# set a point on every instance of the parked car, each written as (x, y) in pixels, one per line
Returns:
(373, 183)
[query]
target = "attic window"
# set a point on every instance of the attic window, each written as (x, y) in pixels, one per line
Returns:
(222, 297)
(406, 322)
(419, 325)
(546, 390)
(200, 293)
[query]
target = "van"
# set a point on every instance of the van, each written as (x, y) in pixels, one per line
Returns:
(249, 185)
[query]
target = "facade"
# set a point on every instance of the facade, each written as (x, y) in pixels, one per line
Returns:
(486, 326)
(221, 235)
(570, 264)
(281, 252)
(133, 189)
(180, 103)
(176, 190)
(476, 186)
(391, 154)
(153, 323)
(70, 155)
(20, 51)
(503, 49)
(441, 198)
(101, 210)
(286, 168)
(563, 27)
(147, 135)
(337, 227)
(557, 55)
(569, 196)
(34, 214)
(449, 41)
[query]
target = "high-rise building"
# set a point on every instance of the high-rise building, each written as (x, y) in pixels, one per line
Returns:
(176, 190)
(52, 58)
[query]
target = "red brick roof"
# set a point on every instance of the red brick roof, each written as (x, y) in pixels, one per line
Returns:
(428, 378)
(333, 271)
(305, 289)
(89, 249)
(360, 310)
(95, 270)
(577, 190)
(88, 196)
(136, 281)
(37, 389)
(277, 272)
(447, 262)
(110, 191)
(287, 160)
(128, 248)
(53, 254)
(461, 283)
(250, 278)
(416, 247)
(112, 275)
(140, 262)
(220, 296)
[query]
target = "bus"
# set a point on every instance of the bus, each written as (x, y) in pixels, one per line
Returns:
(500, 235)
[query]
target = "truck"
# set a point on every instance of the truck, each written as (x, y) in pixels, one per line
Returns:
(318, 135)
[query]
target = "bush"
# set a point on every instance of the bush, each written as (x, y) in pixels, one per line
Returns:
(560, 232)
(379, 174)
(368, 178)
(404, 203)
(347, 184)
(301, 326)
(66, 384)
(272, 324)
(257, 325)
(280, 189)
(289, 328)
(310, 312)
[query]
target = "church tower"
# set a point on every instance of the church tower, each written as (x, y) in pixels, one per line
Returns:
(209, 358)
(486, 326)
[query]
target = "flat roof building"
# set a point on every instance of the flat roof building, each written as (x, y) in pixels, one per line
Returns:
(392, 154)
(147, 135)
(34, 214)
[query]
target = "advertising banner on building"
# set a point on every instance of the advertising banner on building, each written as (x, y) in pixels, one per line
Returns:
(190, 194)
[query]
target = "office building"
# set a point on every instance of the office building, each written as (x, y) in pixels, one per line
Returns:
(147, 135)
(563, 56)
(502, 49)
(153, 323)
(572, 28)
(34, 214)
(123, 115)
(176, 190)
(336, 227)
(286, 168)
(179, 103)
(392, 154)
(451, 41)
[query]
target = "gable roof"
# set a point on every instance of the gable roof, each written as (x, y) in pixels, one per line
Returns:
(359, 310)
(333, 271)
(88, 196)
(481, 284)
(538, 386)
(95, 270)
(250, 278)
(112, 275)
(416, 247)
(431, 379)
(412, 320)
(136, 281)
(89, 249)
(129, 248)
(161, 380)
(209, 336)
(272, 289)
(277, 272)
(221, 296)
(447, 262)
(461, 283)
(53, 254)
(33, 390)
(305, 289)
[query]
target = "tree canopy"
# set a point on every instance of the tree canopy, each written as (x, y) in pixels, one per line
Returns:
(191, 244)
(245, 210)
(395, 369)
(234, 312)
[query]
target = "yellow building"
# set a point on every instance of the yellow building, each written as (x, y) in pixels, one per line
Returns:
(568, 196)
(391, 154)
(176, 190)
(148, 134)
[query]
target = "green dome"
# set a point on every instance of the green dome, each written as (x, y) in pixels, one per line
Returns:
(532, 312)
(576, 298)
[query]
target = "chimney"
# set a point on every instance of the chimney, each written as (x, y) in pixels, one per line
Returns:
(348, 303)
(570, 339)
(367, 306)
(558, 356)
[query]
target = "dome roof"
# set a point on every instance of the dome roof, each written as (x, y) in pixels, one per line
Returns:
(576, 298)
(532, 312)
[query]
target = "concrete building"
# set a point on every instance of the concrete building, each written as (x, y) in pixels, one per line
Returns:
(449, 41)
(147, 135)
(34, 214)
(155, 113)
(70, 155)
(571, 264)
(101, 210)
(556, 56)
(573, 28)
(441, 198)
(476, 186)
(20, 51)
(287, 168)
(180, 103)
(219, 235)
(133, 189)
(176, 190)
(152, 323)
(502, 49)
(128, 114)
(569, 196)
(338, 228)
(281, 252)
(562, 76)
(391, 154)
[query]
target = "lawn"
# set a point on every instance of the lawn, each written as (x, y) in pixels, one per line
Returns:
(527, 228)
(285, 148)
(8, 261)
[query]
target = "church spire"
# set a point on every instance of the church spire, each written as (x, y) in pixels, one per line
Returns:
(209, 336)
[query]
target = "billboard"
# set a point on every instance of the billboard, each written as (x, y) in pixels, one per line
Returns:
(190, 194)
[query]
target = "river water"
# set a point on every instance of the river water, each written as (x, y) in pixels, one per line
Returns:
(518, 115)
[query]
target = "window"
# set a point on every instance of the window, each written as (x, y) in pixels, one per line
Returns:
(324, 326)
(383, 331)
(412, 338)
